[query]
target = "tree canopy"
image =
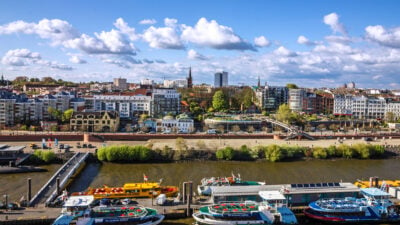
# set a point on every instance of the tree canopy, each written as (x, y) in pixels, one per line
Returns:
(220, 102)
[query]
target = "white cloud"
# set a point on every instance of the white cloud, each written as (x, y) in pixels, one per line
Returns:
(282, 51)
(148, 22)
(305, 41)
(77, 60)
(112, 42)
(125, 29)
(211, 34)
(163, 37)
(338, 39)
(389, 38)
(192, 54)
(261, 41)
(56, 30)
(332, 20)
(350, 68)
(377, 77)
(24, 57)
(170, 22)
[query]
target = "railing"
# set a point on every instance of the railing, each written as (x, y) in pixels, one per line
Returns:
(37, 197)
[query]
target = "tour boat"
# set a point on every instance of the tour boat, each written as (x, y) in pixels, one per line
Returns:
(131, 190)
(273, 210)
(82, 214)
(374, 207)
(204, 188)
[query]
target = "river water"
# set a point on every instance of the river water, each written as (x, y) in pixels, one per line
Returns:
(113, 174)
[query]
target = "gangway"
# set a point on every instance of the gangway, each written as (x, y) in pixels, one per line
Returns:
(49, 191)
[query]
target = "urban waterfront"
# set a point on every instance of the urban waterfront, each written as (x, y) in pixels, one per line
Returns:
(115, 174)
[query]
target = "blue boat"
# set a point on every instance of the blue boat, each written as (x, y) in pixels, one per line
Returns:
(375, 206)
(272, 210)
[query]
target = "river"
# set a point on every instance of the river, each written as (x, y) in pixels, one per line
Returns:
(114, 174)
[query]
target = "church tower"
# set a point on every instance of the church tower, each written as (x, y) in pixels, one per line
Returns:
(190, 79)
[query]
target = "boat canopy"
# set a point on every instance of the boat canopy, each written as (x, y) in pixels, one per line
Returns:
(374, 192)
(271, 195)
(141, 185)
(79, 201)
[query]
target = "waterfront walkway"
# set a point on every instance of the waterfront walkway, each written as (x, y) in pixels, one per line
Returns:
(49, 191)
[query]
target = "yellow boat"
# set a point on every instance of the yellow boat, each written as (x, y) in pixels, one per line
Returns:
(366, 183)
(131, 190)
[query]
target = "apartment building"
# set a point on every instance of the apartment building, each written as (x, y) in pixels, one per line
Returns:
(271, 97)
(126, 105)
(165, 101)
(95, 121)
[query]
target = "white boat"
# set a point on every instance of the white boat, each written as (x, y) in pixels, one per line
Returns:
(272, 210)
(77, 210)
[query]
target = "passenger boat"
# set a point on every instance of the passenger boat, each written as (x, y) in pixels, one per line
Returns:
(82, 214)
(374, 207)
(131, 190)
(273, 210)
(204, 188)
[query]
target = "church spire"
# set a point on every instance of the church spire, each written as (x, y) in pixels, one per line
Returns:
(190, 79)
(259, 82)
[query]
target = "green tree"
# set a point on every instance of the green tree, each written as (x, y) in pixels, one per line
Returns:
(284, 113)
(273, 153)
(390, 117)
(219, 101)
(66, 116)
(143, 117)
(291, 86)
(55, 113)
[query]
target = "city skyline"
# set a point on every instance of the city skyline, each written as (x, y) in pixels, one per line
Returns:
(310, 43)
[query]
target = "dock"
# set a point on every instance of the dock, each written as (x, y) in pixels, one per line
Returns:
(59, 180)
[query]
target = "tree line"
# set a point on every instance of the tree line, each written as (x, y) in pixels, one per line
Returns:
(271, 153)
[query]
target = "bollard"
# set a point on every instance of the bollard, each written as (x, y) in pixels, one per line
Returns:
(188, 206)
(29, 189)
(183, 192)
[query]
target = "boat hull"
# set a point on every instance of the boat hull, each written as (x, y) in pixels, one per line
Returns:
(324, 217)
(201, 219)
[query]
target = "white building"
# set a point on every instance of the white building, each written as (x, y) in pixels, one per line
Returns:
(180, 83)
(342, 105)
(179, 125)
(296, 97)
(393, 107)
(125, 105)
(147, 82)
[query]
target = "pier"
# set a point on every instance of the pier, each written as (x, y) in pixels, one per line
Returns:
(59, 180)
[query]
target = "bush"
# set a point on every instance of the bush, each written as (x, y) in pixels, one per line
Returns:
(319, 153)
(227, 153)
(125, 153)
(273, 153)
(45, 156)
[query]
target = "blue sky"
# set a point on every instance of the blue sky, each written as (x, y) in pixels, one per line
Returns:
(310, 43)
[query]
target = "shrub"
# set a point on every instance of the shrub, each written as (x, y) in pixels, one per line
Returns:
(273, 153)
(45, 156)
(319, 153)
(125, 153)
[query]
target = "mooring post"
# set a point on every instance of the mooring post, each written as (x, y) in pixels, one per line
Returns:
(29, 189)
(188, 206)
(183, 192)
(58, 186)
(190, 191)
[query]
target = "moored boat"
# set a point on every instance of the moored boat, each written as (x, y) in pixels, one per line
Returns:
(374, 207)
(82, 214)
(272, 210)
(204, 188)
(131, 190)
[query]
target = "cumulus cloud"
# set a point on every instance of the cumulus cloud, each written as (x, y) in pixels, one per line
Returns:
(192, 54)
(163, 37)
(148, 22)
(125, 29)
(56, 30)
(24, 57)
(377, 77)
(261, 41)
(77, 60)
(211, 34)
(385, 37)
(305, 41)
(282, 51)
(332, 20)
(112, 42)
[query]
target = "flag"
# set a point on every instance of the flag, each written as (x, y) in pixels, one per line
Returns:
(145, 178)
